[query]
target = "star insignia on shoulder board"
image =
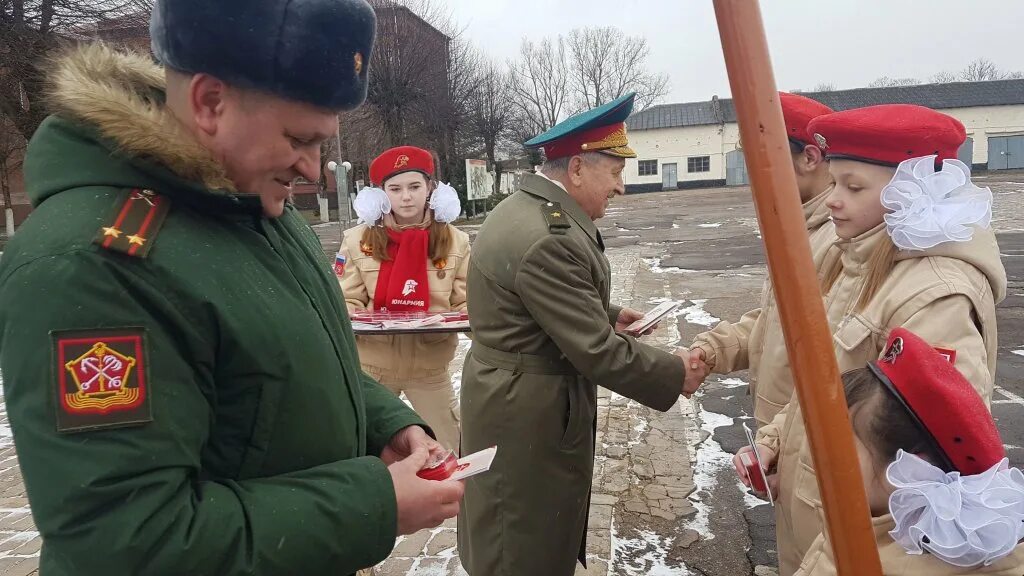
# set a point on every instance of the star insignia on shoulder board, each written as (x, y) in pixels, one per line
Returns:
(112, 232)
(135, 239)
(556, 214)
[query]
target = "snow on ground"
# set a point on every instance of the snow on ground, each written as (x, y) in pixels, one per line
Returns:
(1019, 352)
(711, 459)
(710, 225)
(711, 462)
(654, 265)
(6, 436)
(652, 561)
(460, 355)
(695, 314)
(732, 383)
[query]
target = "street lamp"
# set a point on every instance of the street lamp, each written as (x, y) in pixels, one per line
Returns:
(341, 182)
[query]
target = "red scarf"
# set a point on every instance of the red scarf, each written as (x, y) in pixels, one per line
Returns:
(402, 283)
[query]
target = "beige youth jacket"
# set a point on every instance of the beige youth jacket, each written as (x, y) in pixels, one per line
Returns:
(407, 356)
(947, 295)
(819, 561)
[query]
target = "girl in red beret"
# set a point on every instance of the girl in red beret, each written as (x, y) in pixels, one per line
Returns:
(915, 250)
(405, 256)
(942, 495)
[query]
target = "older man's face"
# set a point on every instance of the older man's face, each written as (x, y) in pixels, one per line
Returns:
(600, 180)
(265, 143)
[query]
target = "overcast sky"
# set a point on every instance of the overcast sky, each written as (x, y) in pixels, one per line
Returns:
(845, 42)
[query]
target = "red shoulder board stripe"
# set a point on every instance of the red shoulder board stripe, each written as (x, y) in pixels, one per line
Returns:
(134, 223)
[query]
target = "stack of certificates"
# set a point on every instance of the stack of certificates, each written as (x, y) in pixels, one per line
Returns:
(378, 322)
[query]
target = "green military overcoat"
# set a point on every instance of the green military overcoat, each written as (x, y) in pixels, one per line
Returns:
(544, 339)
(179, 369)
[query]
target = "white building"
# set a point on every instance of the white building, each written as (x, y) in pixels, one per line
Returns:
(694, 145)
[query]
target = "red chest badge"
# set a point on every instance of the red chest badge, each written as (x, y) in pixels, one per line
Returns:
(101, 379)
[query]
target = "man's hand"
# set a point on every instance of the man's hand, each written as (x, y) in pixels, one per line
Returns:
(406, 441)
(422, 503)
(768, 458)
(696, 370)
(626, 317)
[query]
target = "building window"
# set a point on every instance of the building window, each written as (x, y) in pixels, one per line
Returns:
(648, 167)
(698, 164)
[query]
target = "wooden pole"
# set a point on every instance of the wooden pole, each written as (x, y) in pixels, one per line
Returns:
(808, 338)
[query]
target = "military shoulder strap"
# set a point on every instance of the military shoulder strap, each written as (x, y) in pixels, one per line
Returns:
(134, 223)
(557, 222)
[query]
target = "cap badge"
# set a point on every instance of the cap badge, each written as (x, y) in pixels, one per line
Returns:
(894, 351)
(822, 143)
(401, 162)
(359, 63)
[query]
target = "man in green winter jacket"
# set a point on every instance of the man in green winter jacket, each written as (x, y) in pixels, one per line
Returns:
(180, 372)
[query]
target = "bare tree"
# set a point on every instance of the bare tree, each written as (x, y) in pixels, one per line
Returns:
(944, 77)
(887, 82)
(606, 64)
(408, 74)
(422, 76)
(29, 31)
(12, 149)
(491, 113)
(825, 87)
(540, 82)
(1015, 75)
(981, 70)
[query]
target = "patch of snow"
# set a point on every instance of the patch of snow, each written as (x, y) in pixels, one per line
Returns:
(695, 314)
(712, 225)
(674, 227)
(641, 427)
(6, 435)
(460, 352)
(1019, 352)
(654, 264)
(711, 460)
(732, 383)
(644, 555)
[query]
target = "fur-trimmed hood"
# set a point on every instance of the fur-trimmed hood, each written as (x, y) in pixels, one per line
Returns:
(120, 95)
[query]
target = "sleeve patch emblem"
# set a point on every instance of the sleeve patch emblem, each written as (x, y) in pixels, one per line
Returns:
(101, 379)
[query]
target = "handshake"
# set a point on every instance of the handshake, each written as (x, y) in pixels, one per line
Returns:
(697, 369)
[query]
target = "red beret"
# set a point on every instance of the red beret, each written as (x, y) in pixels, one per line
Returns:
(942, 401)
(798, 111)
(888, 134)
(398, 160)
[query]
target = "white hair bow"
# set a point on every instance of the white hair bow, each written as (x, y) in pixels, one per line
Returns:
(371, 205)
(966, 521)
(929, 208)
(445, 203)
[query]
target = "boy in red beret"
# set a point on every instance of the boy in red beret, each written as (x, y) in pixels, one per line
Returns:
(755, 341)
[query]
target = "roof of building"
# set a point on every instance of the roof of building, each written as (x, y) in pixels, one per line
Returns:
(937, 96)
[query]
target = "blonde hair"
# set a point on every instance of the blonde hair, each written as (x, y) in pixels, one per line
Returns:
(880, 265)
